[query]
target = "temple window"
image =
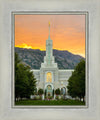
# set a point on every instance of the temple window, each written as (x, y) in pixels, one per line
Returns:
(49, 77)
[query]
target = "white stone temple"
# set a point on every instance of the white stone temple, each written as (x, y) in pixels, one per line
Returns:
(49, 77)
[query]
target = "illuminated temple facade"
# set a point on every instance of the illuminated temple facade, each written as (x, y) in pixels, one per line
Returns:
(49, 77)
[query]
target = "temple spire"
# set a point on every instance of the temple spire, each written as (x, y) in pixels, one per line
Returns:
(49, 32)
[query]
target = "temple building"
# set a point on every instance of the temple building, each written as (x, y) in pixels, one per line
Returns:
(49, 77)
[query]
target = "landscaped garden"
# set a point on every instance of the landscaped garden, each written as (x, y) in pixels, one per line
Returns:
(26, 92)
(49, 102)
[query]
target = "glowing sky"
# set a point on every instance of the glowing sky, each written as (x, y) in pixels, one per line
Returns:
(66, 31)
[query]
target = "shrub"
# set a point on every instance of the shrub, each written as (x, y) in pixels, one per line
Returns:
(49, 97)
(40, 91)
(57, 91)
(57, 97)
(37, 97)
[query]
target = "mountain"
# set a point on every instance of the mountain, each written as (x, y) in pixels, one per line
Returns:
(34, 58)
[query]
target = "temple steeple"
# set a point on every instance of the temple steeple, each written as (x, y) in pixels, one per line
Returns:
(49, 58)
(49, 51)
(49, 32)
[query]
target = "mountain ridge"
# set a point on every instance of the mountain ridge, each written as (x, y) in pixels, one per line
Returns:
(34, 58)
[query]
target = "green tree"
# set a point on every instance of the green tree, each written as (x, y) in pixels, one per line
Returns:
(57, 91)
(76, 83)
(40, 91)
(25, 83)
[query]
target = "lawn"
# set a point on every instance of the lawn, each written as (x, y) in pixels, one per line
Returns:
(51, 102)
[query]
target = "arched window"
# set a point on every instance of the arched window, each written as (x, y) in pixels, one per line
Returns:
(49, 87)
(49, 77)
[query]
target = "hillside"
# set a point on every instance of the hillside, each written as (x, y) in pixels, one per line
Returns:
(34, 58)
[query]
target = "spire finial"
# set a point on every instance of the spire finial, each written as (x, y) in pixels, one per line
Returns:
(49, 31)
(49, 23)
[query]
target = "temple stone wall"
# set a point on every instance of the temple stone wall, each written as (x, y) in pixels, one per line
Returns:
(58, 82)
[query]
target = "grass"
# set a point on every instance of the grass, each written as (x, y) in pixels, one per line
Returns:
(51, 102)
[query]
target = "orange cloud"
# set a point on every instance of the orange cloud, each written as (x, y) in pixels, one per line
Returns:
(66, 31)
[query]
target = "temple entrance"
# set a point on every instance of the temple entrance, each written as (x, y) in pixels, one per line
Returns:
(49, 90)
(48, 94)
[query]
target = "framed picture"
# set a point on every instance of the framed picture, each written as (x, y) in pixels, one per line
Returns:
(48, 54)
(55, 78)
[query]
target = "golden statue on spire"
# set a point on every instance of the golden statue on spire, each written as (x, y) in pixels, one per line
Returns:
(49, 23)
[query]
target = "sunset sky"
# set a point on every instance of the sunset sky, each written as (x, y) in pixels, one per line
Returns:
(66, 31)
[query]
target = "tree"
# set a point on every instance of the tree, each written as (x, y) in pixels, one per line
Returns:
(40, 91)
(25, 83)
(76, 83)
(57, 91)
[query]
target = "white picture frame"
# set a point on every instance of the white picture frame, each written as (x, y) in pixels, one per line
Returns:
(7, 112)
(13, 14)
